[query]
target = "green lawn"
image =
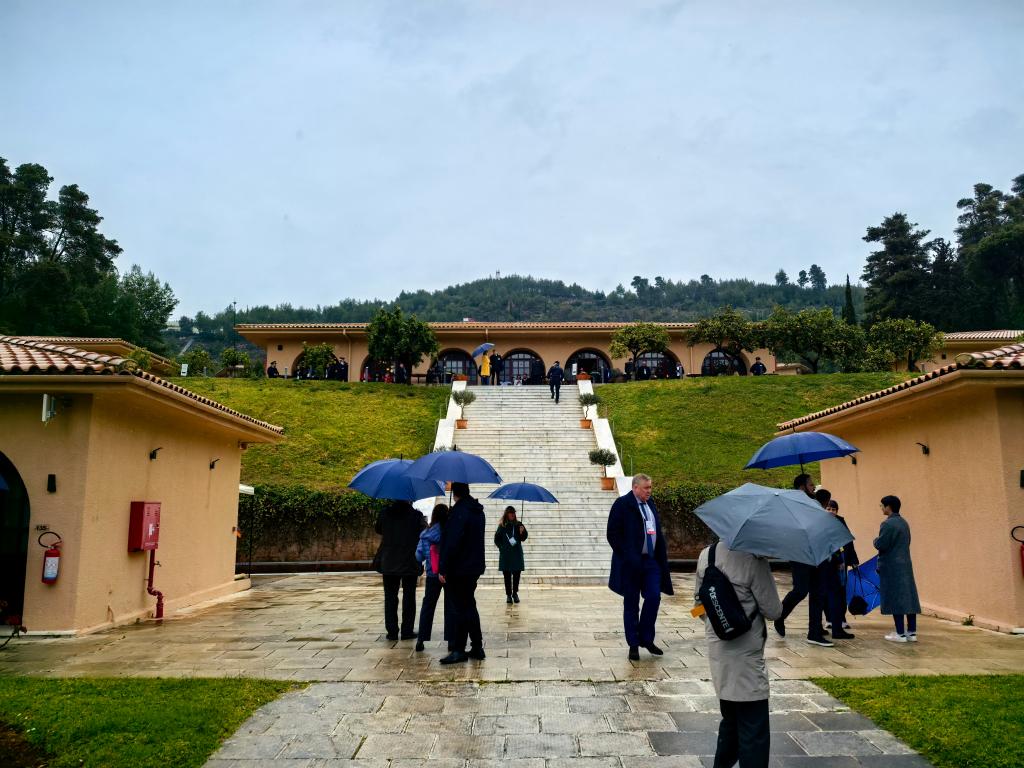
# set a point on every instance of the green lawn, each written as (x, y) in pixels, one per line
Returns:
(332, 429)
(118, 723)
(954, 721)
(707, 429)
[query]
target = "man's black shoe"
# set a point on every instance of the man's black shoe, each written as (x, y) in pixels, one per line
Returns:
(508, 598)
(780, 627)
(515, 597)
(392, 638)
(455, 657)
(654, 650)
(634, 653)
(419, 645)
(477, 653)
(410, 636)
(842, 634)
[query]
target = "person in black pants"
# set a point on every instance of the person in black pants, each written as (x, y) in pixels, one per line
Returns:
(806, 583)
(399, 526)
(555, 377)
(461, 565)
(509, 540)
(833, 594)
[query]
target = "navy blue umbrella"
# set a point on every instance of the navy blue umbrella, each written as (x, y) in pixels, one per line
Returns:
(523, 492)
(453, 467)
(485, 347)
(863, 581)
(386, 479)
(800, 448)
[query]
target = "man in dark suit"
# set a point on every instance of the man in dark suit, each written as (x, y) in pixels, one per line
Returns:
(343, 369)
(461, 565)
(497, 367)
(555, 377)
(639, 564)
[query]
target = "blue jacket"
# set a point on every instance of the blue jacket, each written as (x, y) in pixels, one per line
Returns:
(462, 546)
(556, 375)
(430, 536)
(626, 536)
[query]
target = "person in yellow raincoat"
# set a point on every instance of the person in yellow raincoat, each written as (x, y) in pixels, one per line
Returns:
(485, 369)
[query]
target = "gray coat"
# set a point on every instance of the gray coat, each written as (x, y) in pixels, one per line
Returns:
(895, 570)
(737, 666)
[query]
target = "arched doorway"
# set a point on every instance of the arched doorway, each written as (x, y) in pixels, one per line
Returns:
(593, 362)
(658, 365)
(457, 361)
(523, 365)
(371, 370)
(14, 516)
(298, 369)
(718, 362)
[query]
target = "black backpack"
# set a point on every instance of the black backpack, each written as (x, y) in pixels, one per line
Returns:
(721, 604)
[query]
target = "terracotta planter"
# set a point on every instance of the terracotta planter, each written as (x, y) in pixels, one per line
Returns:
(461, 423)
(460, 377)
(585, 423)
(582, 377)
(607, 483)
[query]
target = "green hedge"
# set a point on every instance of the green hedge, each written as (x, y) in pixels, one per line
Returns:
(288, 514)
(676, 503)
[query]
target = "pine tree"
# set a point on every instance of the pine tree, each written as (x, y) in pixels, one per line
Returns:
(849, 313)
(897, 275)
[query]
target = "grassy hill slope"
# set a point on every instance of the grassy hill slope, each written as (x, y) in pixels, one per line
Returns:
(706, 430)
(332, 429)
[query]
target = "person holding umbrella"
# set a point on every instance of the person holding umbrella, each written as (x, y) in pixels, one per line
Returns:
(461, 565)
(509, 540)
(428, 552)
(399, 527)
(485, 370)
(497, 367)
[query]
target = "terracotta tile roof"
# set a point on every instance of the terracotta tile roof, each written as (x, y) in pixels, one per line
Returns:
(451, 326)
(1004, 335)
(22, 356)
(1009, 357)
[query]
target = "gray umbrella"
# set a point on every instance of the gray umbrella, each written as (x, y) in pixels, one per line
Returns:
(771, 522)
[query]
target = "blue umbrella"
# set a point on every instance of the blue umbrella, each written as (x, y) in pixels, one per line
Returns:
(453, 467)
(799, 448)
(482, 348)
(523, 492)
(863, 581)
(386, 479)
(771, 522)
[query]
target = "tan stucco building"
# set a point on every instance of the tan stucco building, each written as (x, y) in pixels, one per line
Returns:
(950, 444)
(112, 435)
(522, 345)
(965, 342)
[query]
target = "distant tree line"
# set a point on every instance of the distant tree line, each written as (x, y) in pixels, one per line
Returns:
(57, 271)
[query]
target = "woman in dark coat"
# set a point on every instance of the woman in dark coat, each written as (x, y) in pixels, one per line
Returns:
(399, 526)
(509, 540)
(896, 573)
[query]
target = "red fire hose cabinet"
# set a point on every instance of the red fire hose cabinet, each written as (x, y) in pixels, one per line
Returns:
(144, 526)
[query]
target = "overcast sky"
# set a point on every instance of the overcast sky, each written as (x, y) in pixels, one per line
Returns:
(311, 151)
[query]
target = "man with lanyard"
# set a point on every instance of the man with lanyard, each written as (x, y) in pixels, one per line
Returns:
(639, 564)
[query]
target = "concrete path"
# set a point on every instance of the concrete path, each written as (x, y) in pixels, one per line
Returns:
(556, 685)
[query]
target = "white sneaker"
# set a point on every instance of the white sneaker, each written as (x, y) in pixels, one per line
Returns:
(894, 638)
(912, 637)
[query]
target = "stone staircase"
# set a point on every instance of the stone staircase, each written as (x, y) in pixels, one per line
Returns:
(524, 434)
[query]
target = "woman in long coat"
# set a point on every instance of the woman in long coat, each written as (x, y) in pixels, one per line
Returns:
(509, 540)
(896, 573)
(738, 667)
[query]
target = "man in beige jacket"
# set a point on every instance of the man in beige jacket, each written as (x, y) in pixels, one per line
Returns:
(738, 666)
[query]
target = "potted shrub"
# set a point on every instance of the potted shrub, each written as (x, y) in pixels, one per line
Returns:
(604, 458)
(588, 400)
(462, 398)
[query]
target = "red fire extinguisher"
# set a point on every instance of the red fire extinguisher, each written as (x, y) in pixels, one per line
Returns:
(51, 558)
(1019, 537)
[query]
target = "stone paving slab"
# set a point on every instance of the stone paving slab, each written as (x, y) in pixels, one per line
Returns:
(555, 691)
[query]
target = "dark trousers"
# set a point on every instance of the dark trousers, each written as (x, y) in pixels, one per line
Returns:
(431, 593)
(495, 377)
(555, 387)
(834, 595)
(639, 623)
(465, 617)
(408, 584)
(743, 734)
(806, 583)
(911, 623)
(512, 582)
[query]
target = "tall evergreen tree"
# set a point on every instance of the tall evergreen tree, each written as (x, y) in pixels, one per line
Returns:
(849, 313)
(817, 277)
(781, 278)
(897, 275)
(802, 279)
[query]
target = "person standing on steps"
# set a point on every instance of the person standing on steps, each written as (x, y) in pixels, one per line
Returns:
(639, 564)
(399, 526)
(485, 370)
(428, 552)
(555, 377)
(497, 367)
(509, 540)
(805, 584)
(461, 565)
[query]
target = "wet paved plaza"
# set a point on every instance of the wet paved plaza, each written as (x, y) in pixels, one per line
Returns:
(556, 687)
